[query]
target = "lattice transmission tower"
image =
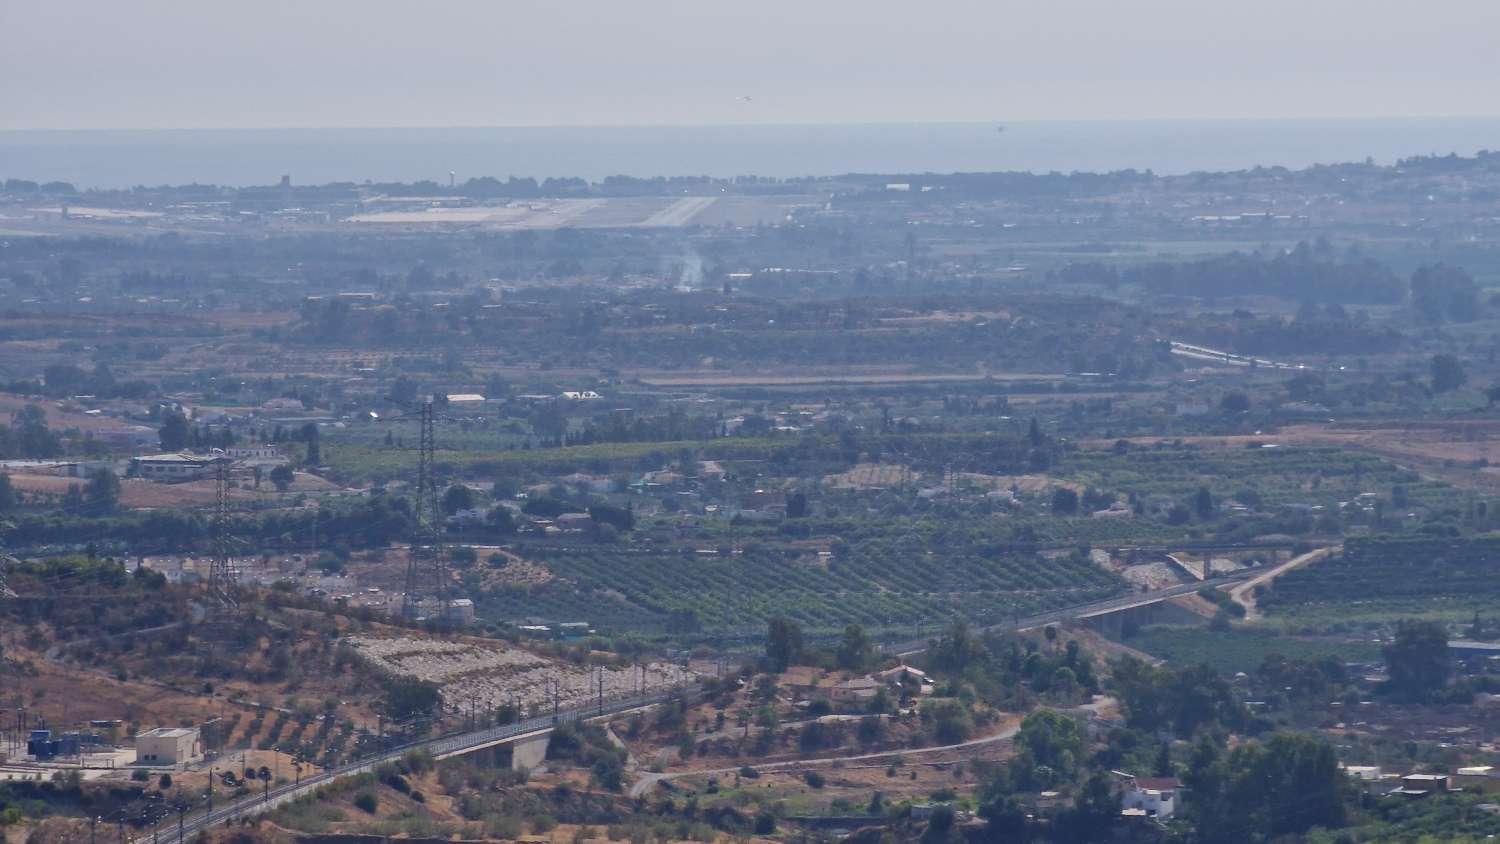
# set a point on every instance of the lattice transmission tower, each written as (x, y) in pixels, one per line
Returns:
(426, 566)
(223, 580)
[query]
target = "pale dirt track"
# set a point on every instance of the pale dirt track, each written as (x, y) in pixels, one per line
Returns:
(1244, 593)
(648, 780)
(1096, 707)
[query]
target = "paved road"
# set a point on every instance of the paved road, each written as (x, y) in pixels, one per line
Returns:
(449, 745)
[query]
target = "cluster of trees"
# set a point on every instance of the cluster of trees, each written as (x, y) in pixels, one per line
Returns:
(1263, 790)
(1009, 671)
(62, 380)
(98, 496)
(1441, 293)
(366, 522)
(1050, 754)
(28, 437)
(409, 699)
(1327, 329)
(1184, 700)
(747, 333)
(1307, 273)
(785, 646)
(120, 600)
(27, 186)
(587, 746)
(177, 433)
(1438, 293)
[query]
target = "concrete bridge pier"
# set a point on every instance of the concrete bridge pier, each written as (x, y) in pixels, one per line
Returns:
(1115, 624)
(529, 753)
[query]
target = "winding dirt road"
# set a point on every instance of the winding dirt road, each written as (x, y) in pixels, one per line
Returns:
(1244, 593)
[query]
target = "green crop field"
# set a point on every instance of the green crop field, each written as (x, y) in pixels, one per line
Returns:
(1241, 650)
(1394, 572)
(1312, 476)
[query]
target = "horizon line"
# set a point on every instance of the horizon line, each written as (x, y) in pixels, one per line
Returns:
(1004, 122)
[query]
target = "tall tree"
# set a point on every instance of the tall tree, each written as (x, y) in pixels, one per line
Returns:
(783, 643)
(1418, 660)
(854, 649)
(1093, 812)
(457, 497)
(174, 432)
(1447, 373)
(956, 649)
(1064, 501)
(1234, 402)
(310, 434)
(34, 438)
(282, 476)
(1203, 503)
(102, 494)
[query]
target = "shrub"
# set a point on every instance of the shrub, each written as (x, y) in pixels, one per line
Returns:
(813, 779)
(366, 802)
(765, 823)
(504, 826)
(397, 782)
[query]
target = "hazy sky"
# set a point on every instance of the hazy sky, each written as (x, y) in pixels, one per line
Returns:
(254, 63)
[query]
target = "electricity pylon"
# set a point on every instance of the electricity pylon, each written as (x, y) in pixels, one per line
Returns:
(222, 580)
(426, 563)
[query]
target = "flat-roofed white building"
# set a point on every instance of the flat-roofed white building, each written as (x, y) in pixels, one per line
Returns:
(169, 746)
